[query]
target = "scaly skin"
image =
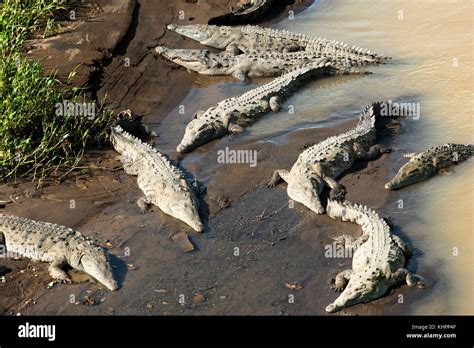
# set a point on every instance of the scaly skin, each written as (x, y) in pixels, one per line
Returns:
(246, 11)
(248, 39)
(378, 261)
(266, 64)
(231, 114)
(58, 245)
(163, 184)
(322, 163)
(426, 164)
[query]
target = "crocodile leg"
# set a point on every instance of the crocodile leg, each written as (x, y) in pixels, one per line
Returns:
(351, 243)
(341, 280)
(402, 245)
(373, 151)
(235, 128)
(278, 175)
(275, 103)
(337, 190)
(128, 165)
(144, 204)
(56, 272)
(233, 49)
(239, 75)
(411, 279)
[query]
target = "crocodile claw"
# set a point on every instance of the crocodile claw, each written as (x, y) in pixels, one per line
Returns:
(335, 287)
(338, 193)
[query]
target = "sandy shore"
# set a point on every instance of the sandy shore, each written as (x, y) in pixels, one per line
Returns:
(277, 245)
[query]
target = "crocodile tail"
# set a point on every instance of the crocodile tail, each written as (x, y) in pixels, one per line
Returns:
(368, 116)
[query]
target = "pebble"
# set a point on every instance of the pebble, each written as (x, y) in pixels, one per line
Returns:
(182, 240)
(198, 298)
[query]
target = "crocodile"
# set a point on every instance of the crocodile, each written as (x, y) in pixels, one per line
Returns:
(425, 164)
(322, 163)
(232, 114)
(379, 257)
(246, 11)
(248, 39)
(241, 66)
(59, 245)
(163, 184)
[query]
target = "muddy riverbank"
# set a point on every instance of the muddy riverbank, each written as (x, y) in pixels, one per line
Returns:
(258, 255)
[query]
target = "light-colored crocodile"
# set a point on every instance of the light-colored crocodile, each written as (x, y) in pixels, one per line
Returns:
(163, 184)
(249, 39)
(322, 163)
(425, 164)
(56, 244)
(378, 257)
(230, 115)
(266, 64)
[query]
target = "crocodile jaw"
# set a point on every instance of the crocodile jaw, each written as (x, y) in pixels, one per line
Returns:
(198, 32)
(198, 132)
(410, 173)
(95, 263)
(195, 60)
(358, 291)
(303, 191)
(183, 206)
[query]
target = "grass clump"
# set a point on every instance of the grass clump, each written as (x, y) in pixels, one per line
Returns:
(35, 137)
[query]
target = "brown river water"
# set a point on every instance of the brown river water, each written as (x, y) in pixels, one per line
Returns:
(431, 43)
(431, 46)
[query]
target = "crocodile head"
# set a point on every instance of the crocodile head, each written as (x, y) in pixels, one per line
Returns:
(199, 131)
(306, 191)
(94, 261)
(183, 205)
(200, 61)
(410, 173)
(197, 32)
(362, 287)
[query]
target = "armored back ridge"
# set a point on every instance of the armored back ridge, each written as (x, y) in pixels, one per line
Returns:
(322, 163)
(58, 245)
(264, 64)
(230, 115)
(378, 257)
(249, 39)
(163, 184)
(426, 164)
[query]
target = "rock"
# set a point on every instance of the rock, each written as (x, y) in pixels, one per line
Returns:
(198, 298)
(296, 286)
(182, 240)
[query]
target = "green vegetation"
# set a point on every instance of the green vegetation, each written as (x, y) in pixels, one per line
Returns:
(34, 137)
